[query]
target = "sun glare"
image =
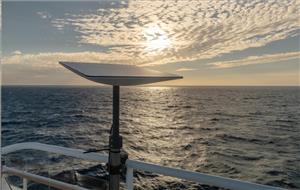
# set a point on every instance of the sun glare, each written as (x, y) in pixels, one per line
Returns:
(157, 40)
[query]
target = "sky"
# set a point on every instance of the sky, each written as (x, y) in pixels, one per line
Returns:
(208, 42)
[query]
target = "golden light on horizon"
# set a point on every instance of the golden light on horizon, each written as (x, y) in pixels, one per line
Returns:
(156, 39)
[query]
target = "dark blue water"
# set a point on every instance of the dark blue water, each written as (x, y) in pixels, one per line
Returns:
(249, 133)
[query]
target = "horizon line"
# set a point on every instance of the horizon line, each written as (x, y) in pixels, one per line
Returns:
(99, 85)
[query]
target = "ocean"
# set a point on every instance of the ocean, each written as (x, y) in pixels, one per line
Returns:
(247, 133)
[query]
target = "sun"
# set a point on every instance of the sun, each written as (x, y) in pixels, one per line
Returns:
(156, 39)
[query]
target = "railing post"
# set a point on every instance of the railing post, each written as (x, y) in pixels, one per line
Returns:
(24, 183)
(129, 178)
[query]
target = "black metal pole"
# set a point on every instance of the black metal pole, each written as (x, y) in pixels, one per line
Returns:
(115, 143)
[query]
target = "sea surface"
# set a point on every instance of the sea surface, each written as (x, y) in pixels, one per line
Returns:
(248, 133)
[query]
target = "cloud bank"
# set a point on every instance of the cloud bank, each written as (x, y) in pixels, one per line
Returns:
(186, 30)
(160, 32)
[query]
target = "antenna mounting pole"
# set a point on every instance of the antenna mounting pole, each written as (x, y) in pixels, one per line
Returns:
(115, 143)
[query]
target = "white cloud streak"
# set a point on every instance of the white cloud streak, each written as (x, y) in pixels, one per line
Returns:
(51, 59)
(44, 15)
(185, 69)
(251, 60)
(17, 52)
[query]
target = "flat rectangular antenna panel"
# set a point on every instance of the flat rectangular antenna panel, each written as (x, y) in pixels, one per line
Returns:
(118, 75)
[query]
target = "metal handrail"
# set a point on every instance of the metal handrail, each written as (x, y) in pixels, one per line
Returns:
(40, 179)
(196, 177)
(138, 165)
(76, 153)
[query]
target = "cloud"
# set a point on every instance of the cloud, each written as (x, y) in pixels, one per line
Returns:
(159, 32)
(17, 52)
(44, 15)
(50, 60)
(43, 68)
(186, 69)
(251, 60)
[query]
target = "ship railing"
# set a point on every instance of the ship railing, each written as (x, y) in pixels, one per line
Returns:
(38, 179)
(131, 165)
